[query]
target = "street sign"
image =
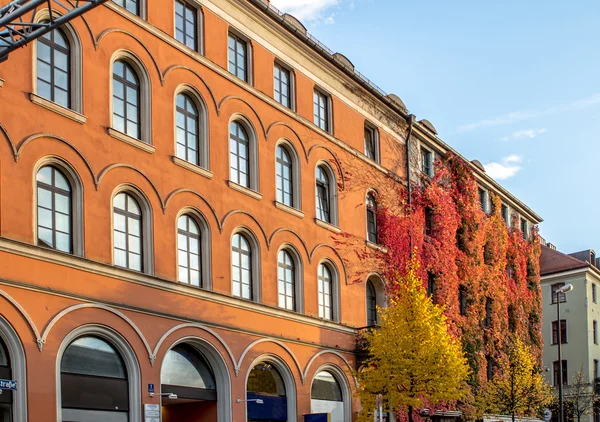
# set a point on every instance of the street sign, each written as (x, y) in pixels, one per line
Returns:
(151, 388)
(547, 415)
(8, 385)
(151, 413)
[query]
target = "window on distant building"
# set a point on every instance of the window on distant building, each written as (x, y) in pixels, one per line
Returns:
(483, 200)
(489, 368)
(554, 288)
(431, 286)
(524, 228)
(487, 322)
(505, 214)
(462, 300)
(595, 369)
(428, 221)
(371, 304)
(427, 162)
(321, 110)
(371, 219)
(238, 57)
(371, 143)
(282, 81)
(556, 373)
(594, 293)
(186, 27)
(563, 332)
(595, 329)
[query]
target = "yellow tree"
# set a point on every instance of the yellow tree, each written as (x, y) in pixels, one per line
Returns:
(412, 357)
(518, 388)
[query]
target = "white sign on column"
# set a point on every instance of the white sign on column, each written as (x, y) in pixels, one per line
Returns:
(151, 413)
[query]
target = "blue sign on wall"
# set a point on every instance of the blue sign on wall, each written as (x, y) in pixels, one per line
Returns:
(273, 408)
(317, 417)
(151, 388)
(8, 385)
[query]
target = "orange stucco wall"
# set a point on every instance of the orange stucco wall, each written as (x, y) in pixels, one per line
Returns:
(41, 289)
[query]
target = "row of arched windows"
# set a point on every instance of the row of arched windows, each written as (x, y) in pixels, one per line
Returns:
(100, 378)
(130, 116)
(55, 229)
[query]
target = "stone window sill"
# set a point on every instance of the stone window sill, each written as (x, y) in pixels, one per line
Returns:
(376, 246)
(192, 167)
(328, 226)
(289, 209)
(251, 193)
(131, 141)
(58, 109)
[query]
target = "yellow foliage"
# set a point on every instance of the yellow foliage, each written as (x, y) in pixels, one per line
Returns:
(412, 357)
(519, 388)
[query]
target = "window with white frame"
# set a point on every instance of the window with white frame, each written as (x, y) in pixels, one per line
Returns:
(132, 6)
(238, 57)
(325, 195)
(282, 82)
(128, 230)
(239, 154)
(241, 266)
(188, 129)
(371, 219)
(189, 251)
(325, 292)
(54, 210)
(371, 143)
(286, 276)
(427, 162)
(186, 26)
(126, 99)
(321, 110)
(53, 68)
(285, 180)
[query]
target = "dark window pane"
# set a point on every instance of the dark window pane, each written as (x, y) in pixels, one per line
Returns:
(326, 387)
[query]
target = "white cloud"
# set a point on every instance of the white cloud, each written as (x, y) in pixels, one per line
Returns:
(520, 116)
(506, 168)
(524, 134)
(308, 10)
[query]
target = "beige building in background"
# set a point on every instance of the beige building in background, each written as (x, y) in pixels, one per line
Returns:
(579, 315)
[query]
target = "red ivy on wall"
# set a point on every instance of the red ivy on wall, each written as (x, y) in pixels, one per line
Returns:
(464, 250)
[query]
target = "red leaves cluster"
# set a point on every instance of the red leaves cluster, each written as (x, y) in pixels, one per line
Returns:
(465, 249)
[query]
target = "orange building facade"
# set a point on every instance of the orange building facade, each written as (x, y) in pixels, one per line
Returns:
(173, 176)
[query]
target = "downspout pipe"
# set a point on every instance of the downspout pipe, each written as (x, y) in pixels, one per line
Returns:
(411, 121)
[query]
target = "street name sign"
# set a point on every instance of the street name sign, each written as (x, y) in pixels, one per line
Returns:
(8, 385)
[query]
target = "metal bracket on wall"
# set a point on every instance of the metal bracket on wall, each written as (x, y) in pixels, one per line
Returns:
(18, 26)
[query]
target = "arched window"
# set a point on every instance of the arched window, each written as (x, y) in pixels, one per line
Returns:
(187, 373)
(128, 231)
(126, 100)
(371, 219)
(53, 68)
(188, 124)
(326, 195)
(285, 190)
(6, 398)
(265, 383)
(54, 210)
(239, 155)
(241, 266)
(132, 6)
(326, 293)
(286, 275)
(371, 304)
(189, 251)
(94, 382)
(326, 396)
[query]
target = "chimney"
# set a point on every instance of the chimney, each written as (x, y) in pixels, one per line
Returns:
(551, 246)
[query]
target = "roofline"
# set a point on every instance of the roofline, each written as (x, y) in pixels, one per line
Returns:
(313, 43)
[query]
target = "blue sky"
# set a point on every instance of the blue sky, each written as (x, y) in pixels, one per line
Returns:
(514, 84)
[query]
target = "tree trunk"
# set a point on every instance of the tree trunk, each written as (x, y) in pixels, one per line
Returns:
(513, 416)
(410, 414)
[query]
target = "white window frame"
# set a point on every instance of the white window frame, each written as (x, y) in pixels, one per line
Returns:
(291, 82)
(205, 246)
(249, 55)
(253, 163)
(255, 260)
(333, 193)
(375, 134)
(296, 173)
(328, 111)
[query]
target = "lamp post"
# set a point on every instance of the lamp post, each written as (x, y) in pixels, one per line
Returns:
(559, 292)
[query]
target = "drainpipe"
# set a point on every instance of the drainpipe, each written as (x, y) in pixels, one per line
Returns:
(411, 121)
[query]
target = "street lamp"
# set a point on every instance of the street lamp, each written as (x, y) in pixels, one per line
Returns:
(563, 290)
